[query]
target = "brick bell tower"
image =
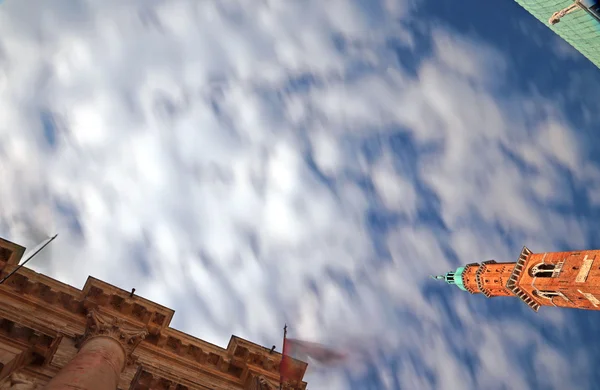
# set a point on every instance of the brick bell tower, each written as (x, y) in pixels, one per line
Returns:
(564, 279)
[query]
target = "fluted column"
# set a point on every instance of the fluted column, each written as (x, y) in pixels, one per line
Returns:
(104, 350)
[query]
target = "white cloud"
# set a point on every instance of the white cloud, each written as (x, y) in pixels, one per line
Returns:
(396, 192)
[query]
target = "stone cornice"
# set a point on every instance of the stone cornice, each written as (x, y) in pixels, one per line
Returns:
(513, 282)
(10, 253)
(63, 309)
(27, 347)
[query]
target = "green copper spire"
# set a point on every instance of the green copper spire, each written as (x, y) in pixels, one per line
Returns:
(453, 278)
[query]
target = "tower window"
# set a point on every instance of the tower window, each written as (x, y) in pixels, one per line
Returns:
(546, 294)
(542, 270)
(5, 254)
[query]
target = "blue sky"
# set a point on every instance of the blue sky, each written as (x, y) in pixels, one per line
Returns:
(251, 163)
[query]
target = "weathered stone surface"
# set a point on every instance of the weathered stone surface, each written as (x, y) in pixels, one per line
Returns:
(18, 381)
(103, 337)
(259, 383)
(97, 366)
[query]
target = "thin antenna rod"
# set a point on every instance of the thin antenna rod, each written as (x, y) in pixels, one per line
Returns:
(282, 357)
(29, 258)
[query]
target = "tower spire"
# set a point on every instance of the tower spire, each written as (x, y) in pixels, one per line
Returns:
(452, 277)
(562, 279)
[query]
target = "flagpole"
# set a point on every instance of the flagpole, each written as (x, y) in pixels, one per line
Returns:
(19, 266)
(282, 356)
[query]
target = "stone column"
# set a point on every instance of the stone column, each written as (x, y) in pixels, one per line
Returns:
(103, 352)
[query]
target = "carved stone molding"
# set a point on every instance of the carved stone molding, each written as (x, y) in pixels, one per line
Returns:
(48, 327)
(101, 325)
(20, 382)
(260, 383)
(293, 386)
(288, 386)
(147, 380)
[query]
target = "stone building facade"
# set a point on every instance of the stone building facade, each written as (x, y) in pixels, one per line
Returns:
(54, 336)
(562, 279)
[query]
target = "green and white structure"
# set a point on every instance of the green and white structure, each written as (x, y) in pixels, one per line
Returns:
(577, 22)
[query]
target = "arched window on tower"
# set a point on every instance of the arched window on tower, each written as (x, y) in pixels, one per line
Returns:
(542, 270)
(546, 294)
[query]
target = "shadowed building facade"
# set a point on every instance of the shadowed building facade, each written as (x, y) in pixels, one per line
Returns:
(577, 22)
(54, 336)
(563, 279)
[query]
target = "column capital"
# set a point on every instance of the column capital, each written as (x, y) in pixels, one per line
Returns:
(103, 325)
(258, 382)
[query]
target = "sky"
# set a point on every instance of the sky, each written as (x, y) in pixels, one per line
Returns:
(252, 163)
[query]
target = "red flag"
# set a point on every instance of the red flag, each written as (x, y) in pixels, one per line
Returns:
(290, 369)
(296, 351)
(314, 351)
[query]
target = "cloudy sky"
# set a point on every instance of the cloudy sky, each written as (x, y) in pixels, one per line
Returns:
(255, 162)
